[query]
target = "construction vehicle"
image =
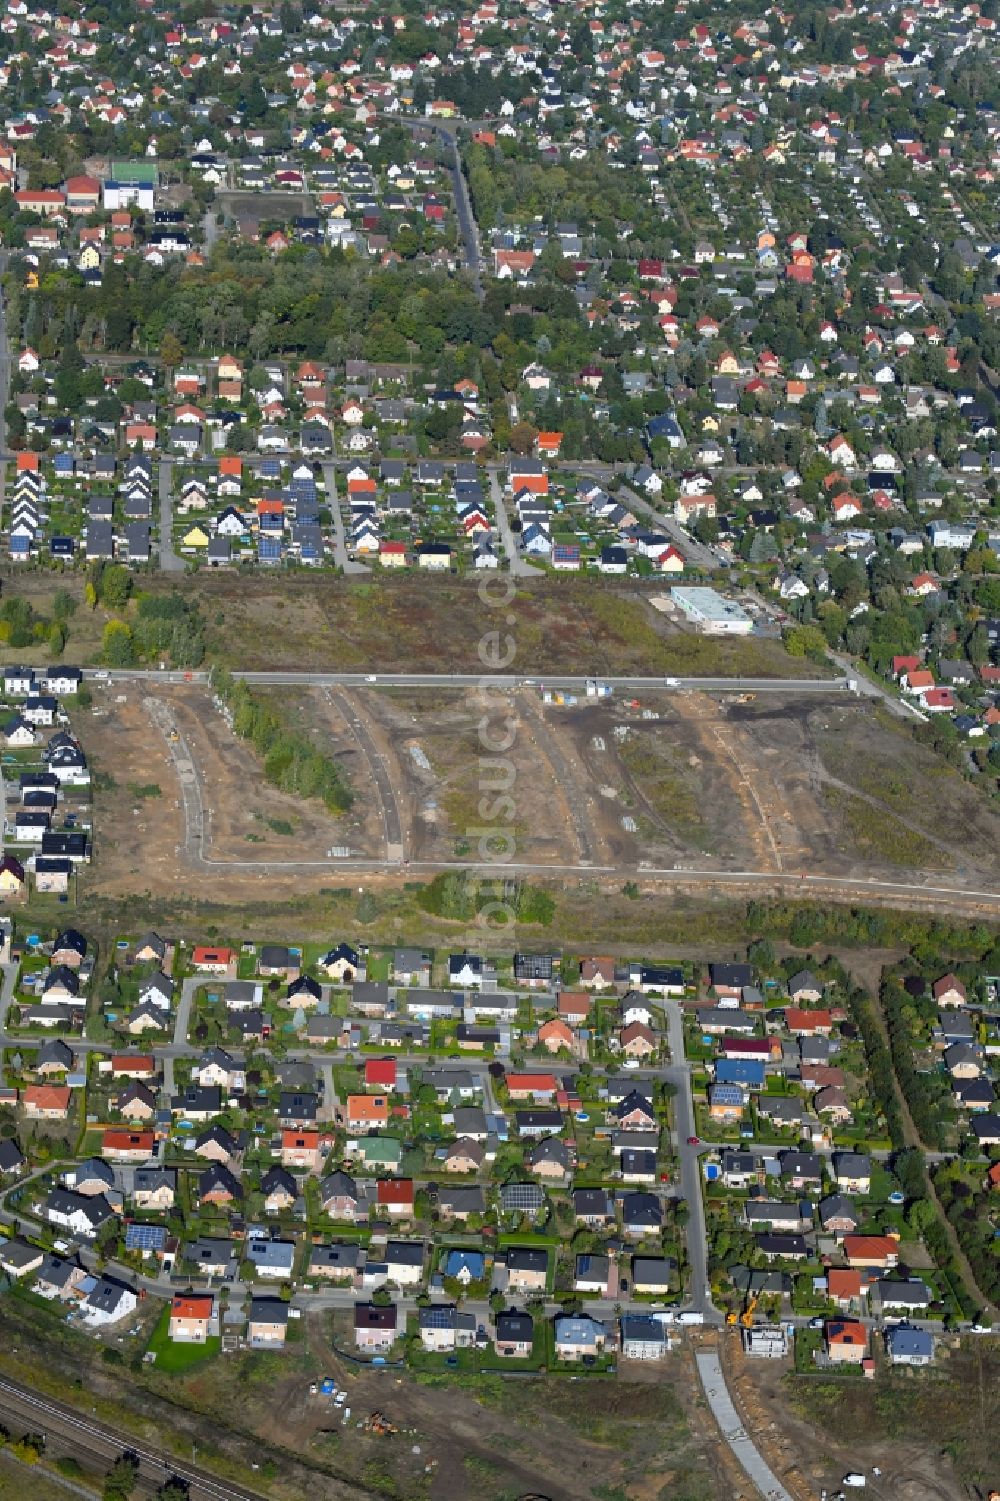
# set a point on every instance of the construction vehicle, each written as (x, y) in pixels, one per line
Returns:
(746, 1317)
(746, 698)
(378, 1423)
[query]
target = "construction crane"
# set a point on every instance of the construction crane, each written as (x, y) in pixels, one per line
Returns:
(746, 1317)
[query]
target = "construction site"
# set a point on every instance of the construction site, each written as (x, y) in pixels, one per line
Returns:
(672, 781)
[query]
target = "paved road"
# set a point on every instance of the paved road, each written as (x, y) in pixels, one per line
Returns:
(182, 1021)
(392, 824)
(517, 565)
(714, 1383)
(210, 228)
(349, 565)
(900, 707)
(445, 130)
(169, 561)
(571, 683)
(694, 551)
(679, 1075)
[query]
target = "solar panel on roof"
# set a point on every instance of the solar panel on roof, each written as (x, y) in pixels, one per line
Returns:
(145, 1237)
(522, 1196)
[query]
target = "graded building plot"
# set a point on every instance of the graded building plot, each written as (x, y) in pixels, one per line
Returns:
(454, 785)
(659, 773)
(795, 787)
(246, 819)
(137, 829)
(340, 721)
(864, 796)
(177, 793)
(909, 786)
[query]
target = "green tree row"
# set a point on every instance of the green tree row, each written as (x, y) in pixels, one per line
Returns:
(291, 762)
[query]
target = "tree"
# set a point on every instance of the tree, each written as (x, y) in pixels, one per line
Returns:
(118, 648)
(522, 437)
(805, 641)
(122, 1479)
(171, 350)
(116, 586)
(174, 1489)
(63, 605)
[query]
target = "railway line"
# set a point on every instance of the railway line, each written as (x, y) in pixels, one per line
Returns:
(91, 1441)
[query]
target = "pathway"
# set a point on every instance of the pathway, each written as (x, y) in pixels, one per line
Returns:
(714, 1385)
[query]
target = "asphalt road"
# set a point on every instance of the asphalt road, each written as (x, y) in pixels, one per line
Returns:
(463, 204)
(169, 561)
(210, 228)
(340, 557)
(679, 1075)
(515, 562)
(694, 551)
(570, 683)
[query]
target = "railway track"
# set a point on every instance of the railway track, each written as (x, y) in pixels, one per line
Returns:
(87, 1439)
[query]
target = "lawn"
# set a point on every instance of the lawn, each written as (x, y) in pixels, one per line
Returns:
(377, 966)
(178, 1359)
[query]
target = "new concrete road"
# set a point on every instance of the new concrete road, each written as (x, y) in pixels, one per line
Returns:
(518, 567)
(97, 1440)
(169, 561)
(679, 1075)
(714, 1384)
(340, 557)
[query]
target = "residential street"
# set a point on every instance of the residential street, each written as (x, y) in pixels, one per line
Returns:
(169, 560)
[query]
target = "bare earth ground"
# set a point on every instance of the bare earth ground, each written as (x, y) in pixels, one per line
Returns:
(445, 774)
(681, 780)
(932, 1433)
(638, 1437)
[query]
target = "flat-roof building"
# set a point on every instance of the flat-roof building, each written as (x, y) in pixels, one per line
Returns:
(710, 611)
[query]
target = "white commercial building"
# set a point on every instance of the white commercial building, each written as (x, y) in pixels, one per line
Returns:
(711, 612)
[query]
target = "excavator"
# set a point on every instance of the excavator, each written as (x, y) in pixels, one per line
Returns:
(378, 1423)
(746, 1317)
